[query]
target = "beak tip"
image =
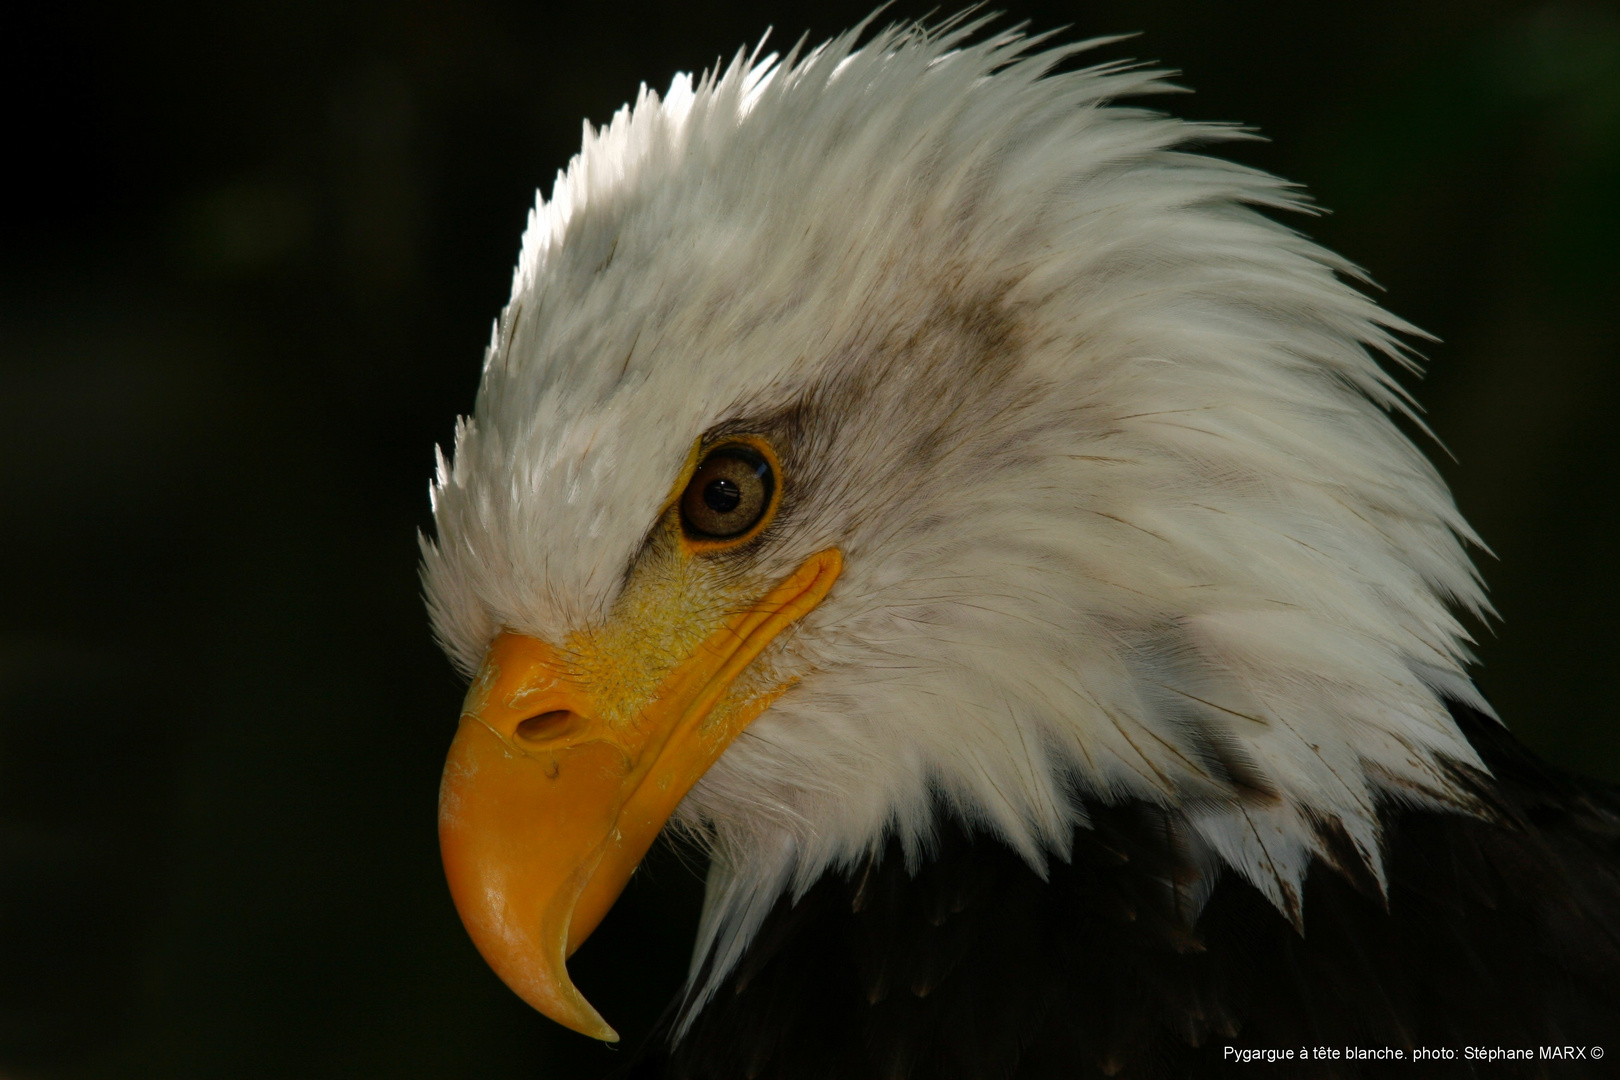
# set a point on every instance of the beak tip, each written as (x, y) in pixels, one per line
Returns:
(568, 1007)
(534, 863)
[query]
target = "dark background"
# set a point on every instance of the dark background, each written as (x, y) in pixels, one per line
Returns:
(250, 257)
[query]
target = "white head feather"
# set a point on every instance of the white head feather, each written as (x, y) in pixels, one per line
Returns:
(1108, 454)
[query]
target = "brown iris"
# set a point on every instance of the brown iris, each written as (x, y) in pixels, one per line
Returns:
(728, 494)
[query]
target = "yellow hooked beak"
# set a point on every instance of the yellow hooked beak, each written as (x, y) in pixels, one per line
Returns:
(547, 805)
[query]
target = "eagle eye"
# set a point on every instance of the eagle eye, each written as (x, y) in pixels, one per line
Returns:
(730, 492)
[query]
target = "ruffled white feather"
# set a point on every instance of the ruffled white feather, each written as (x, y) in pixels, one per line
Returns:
(1173, 541)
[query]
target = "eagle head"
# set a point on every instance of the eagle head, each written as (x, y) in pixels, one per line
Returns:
(908, 429)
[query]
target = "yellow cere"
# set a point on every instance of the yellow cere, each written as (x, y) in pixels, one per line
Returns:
(673, 602)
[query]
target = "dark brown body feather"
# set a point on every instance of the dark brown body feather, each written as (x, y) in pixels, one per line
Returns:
(1497, 933)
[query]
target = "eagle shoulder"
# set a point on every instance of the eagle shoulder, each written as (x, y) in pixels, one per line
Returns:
(1138, 957)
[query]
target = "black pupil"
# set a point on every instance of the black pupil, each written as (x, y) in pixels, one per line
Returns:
(728, 495)
(722, 496)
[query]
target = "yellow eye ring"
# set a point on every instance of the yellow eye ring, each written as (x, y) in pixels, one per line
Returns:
(730, 495)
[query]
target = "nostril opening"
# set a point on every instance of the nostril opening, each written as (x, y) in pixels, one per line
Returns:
(544, 725)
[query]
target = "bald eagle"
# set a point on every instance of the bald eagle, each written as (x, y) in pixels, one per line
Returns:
(949, 498)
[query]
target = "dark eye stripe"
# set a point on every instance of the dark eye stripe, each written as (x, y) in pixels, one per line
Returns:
(728, 493)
